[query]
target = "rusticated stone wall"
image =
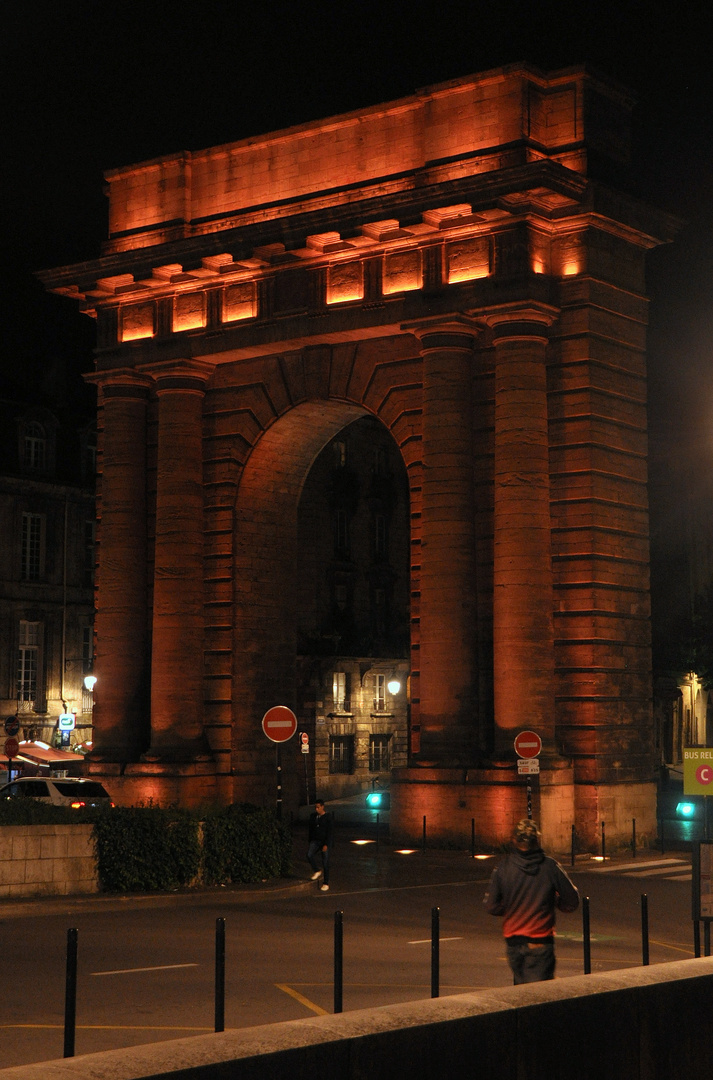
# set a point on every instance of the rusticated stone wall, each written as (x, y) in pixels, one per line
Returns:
(452, 265)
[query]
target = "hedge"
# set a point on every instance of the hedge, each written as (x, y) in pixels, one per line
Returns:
(148, 848)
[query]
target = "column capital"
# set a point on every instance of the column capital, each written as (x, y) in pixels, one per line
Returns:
(520, 320)
(187, 374)
(121, 382)
(451, 332)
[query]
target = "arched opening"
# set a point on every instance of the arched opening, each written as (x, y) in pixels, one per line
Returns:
(286, 595)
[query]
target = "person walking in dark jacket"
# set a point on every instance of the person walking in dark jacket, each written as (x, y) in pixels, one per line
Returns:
(320, 842)
(526, 888)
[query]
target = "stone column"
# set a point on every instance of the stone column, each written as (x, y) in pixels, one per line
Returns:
(523, 635)
(177, 628)
(448, 669)
(122, 657)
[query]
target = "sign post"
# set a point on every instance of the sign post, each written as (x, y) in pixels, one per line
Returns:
(11, 749)
(528, 745)
(279, 724)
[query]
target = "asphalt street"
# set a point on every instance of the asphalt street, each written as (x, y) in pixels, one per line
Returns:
(146, 963)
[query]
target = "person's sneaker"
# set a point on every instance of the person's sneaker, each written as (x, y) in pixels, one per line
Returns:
(324, 888)
(315, 875)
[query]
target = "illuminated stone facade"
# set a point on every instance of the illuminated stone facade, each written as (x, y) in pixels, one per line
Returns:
(455, 265)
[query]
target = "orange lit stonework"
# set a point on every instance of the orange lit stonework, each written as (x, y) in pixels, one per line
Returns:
(447, 264)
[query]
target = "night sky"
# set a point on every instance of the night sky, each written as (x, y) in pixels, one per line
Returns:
(89, 86)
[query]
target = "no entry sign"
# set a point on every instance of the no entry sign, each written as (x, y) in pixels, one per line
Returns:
(279, 723)
(528, 744)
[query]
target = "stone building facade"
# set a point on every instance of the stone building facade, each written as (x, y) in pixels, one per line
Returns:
(46, 568)
(466, 267)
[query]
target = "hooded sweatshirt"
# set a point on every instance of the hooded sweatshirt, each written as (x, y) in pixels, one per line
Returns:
(526, 888)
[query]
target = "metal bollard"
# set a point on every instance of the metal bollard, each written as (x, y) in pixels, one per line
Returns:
(633, 837)
(707, 937)
(472, 838)
(604, 843)
(220, 974)
(574, 841)
(586, 939)
(435, 951)
(338, 960)
(644, 929)
(377, 832)
(424, 835)
(663, 851)
(70, 993)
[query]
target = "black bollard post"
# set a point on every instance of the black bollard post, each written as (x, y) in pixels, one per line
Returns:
(70, 993)
(707, 937)
(472, 838)
(377, 832)
(644, 929)
(435, 951)
(338, 960)
(696, 939)
(604, 843)
(663, 852)
(586, 939)
(424, 835)
(220, 974)
(633, 837)
(574, 841)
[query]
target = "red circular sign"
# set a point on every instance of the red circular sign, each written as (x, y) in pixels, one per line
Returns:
(704, 775)
(528, 744)
(279, 723)
(11, 748)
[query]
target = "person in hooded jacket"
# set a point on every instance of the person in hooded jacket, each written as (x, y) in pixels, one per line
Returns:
(526, 888)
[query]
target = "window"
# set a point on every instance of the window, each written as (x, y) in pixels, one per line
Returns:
(89, 535)
(341, 532)
(32, 537)
(379, 463)
(28, 662)
(379, 536)
(35, 447)
(379, 693)
(339, 449)
(379, 753)
(87, 649)
(340, 691)
(341, 754)
(379, 611)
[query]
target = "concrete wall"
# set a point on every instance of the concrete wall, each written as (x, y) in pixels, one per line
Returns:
(47, 860)
(646, 1023)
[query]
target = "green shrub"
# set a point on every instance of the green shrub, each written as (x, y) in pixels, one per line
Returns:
(143, 848)
(244, 844)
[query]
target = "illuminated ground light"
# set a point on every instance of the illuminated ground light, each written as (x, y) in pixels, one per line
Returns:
(360, 843)
(406, 851)
(483, 856)
(597, 858)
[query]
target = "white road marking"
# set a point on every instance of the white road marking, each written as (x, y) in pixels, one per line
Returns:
(662, 864)
(427, 941)
(133, 971)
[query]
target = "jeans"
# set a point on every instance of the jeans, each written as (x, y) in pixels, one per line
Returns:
(530, 960)
(315, 848)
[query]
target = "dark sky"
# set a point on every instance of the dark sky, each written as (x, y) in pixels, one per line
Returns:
(88, 86)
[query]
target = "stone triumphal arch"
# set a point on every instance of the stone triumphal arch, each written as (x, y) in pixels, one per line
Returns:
(458, 266)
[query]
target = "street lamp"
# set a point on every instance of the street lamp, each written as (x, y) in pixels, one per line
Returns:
(393, 685)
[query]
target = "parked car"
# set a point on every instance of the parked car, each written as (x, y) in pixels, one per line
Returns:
(67, 791)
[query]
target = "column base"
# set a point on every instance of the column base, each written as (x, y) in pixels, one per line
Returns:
(156, 783)
(491, 799)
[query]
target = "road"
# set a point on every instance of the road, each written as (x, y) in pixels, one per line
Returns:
(146, 964)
